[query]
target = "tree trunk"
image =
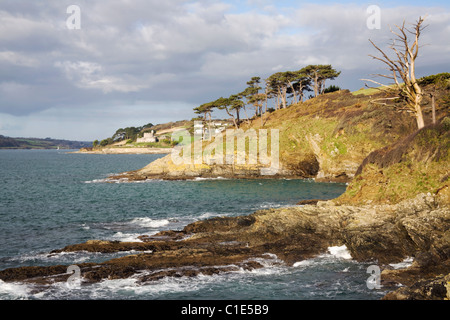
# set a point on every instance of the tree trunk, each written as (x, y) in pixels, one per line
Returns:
(283, 97)
(266, 103)
(232, 115)
(261, 117)
(209, 127)
(293, 92)
(419, 117)
(246, 115)
(316, 84)
(321, 86)
(433, 108)
(300, 92)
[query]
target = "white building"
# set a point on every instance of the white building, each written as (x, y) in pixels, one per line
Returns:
(148, 137)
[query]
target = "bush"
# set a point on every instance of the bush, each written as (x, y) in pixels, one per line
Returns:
(434, 79)
(331, 88)
(446, 123)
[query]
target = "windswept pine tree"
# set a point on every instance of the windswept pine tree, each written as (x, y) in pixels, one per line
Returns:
(319, 74)
(231, 105)
(280, 86)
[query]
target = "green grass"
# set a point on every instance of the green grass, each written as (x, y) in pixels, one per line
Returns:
(366, 92)
(371, 91)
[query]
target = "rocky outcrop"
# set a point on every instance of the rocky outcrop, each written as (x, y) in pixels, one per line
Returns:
(165, 169)
(328, 168)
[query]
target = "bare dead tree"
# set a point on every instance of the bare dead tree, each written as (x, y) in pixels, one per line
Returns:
(402, 68)
(440, 82)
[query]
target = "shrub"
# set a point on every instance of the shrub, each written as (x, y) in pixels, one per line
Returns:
(446, 123)
(434, 79)
(331, 88)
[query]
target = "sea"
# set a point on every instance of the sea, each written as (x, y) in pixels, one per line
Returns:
(53, 198)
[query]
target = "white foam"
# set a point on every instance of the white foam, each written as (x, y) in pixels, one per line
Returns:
(60, 257)
(146, 222)
(404, 264)
(207, 215)
(340, 252)
(120, 180)
(334, 253)
(304, 263)
(126, 237)
(269, 205)
(97, 181)
(13, 290)
(166, 285)
(203, 179)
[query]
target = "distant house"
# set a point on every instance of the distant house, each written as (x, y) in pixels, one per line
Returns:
(198, 128)
(216, 128)
(148, 137)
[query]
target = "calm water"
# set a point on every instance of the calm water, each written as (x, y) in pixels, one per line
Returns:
(50, 199)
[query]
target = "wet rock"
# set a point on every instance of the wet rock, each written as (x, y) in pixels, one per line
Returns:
(437, 288)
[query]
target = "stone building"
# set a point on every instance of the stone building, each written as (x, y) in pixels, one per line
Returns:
(148, 137)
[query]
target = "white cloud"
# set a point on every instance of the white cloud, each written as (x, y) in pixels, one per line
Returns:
(88, 75)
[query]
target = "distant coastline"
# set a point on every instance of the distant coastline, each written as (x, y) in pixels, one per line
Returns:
(8, 143)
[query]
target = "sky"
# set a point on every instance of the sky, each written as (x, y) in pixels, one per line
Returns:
(132, 62)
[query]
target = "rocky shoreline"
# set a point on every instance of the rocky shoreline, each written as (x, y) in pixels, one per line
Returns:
(381, 234)
(124, 150)
(164, 169)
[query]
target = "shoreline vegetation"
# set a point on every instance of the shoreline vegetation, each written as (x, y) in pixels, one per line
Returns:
(396, 206)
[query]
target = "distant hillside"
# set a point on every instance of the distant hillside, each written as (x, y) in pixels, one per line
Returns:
(36, 143)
